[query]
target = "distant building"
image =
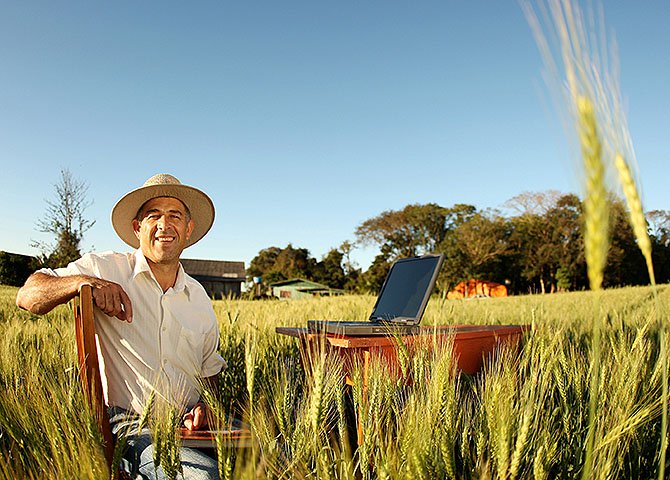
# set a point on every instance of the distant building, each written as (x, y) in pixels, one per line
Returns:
(298, 288)
(477, 288)
(220, 278)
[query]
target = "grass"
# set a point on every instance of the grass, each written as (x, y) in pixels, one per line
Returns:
(525, 417)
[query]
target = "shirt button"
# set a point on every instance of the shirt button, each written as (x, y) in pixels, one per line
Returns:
(165, 361)
(164, 329)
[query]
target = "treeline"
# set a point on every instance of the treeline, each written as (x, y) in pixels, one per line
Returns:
(536, 247)
(16, 268)
(335, 269)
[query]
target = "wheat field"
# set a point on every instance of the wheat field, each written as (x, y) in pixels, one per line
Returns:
(525, 416)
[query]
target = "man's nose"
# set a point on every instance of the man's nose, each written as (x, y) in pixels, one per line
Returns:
(164, 223)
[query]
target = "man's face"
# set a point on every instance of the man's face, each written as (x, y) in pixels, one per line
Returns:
(163, 229)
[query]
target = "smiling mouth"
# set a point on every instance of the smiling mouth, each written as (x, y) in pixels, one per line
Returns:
(165, 239)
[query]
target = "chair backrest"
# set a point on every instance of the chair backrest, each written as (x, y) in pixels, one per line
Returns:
(89, 370)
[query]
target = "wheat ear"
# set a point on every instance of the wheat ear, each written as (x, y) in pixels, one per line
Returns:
(637, 219)
(596, 209)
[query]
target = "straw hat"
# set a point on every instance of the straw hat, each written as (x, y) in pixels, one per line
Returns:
(163, 185)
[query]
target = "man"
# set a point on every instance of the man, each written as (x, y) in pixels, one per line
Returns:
(157, 332)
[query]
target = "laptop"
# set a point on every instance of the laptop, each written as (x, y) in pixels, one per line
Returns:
(400, 303)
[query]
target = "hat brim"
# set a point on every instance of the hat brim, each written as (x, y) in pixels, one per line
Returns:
(198, 203)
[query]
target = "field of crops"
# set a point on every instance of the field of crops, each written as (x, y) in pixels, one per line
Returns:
(526, 416)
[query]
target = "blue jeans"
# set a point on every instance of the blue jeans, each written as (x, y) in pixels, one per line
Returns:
(138, 458)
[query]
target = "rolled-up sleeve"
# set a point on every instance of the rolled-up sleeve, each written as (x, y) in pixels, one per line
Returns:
(83, 266)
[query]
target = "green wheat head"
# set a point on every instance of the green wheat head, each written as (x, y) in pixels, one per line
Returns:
(636, 213)
(596, 209)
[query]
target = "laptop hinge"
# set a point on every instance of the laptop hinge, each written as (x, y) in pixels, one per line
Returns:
(400, 320)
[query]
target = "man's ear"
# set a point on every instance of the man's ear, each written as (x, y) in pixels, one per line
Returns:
(189, 228)
(136, 228)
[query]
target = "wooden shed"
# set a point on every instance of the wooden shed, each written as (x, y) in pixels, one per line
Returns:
(298, 288)
(477, 288)
(220, 278)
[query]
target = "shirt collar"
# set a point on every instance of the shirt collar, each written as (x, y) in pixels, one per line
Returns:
(142, 266)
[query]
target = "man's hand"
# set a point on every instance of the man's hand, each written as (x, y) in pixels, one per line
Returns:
(110, 298)
(197, 417)
(42, 293)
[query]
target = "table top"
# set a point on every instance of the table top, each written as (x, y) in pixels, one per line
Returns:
(458, 332)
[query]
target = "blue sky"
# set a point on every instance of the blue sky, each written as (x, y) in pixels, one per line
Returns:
(301, 119)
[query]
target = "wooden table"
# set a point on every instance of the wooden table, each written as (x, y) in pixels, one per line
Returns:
(471, 343)
(471, 346)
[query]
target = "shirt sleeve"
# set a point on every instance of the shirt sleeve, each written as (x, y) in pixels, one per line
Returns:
(212, 362)
(83, 266)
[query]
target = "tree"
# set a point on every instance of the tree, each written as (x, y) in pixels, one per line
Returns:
(65, 220)
(335, 269)
(548, 241)
(532, 239)
(534, 203)
(455, 265)
(372, 279)
(348, 265)
(414, 230)
(568, 241)
(457, 215)
(263, 262)
(275, 264)
(659, 226)
(483, 239)
(15, 268)
(625, 263)
(329, 270)
(294, 263)
(474, 246)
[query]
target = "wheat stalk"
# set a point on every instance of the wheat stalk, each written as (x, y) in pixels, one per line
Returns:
(165, 423)
(594, 98)
(639, 224)
(36, 399)
(596, 243)
(250, 365)
(316, 399)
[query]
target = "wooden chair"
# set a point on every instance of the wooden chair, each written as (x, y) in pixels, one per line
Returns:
(89, 371)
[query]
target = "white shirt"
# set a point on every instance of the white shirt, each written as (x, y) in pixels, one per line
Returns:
(171, 343)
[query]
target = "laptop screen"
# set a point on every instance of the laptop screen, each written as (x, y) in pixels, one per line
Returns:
(407, 288)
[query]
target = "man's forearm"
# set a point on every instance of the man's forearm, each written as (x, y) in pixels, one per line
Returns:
(42, 293)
